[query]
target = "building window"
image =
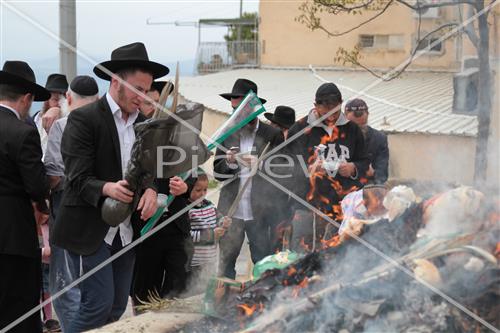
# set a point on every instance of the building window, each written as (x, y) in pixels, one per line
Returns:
(366, 40)
(391, 42)
(431, 45)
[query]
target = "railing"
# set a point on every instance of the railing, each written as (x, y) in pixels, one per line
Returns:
(218, 56)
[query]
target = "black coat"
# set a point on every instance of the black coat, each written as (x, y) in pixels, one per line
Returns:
(90, 148)
(22, 180)
(262, 190)
(378, 154)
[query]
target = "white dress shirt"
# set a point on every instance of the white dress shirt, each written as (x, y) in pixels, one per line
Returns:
(126, 135)
(11, 109)
(244, 210)
(44, 137)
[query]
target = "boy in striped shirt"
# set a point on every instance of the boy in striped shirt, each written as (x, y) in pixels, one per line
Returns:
(205, 231)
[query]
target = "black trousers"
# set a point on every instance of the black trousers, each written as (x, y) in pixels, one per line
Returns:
(20, 287)
(161, 264)
(230, 244)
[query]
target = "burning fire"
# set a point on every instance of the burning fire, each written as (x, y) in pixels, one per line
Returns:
(247, 310)
(250, 310)
(334, 241)
(303, 284)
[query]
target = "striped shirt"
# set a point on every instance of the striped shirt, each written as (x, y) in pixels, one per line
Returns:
(203, 219)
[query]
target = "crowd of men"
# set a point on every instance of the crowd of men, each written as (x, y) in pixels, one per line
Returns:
(58, 167)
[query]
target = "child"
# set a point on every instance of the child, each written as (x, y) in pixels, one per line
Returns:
(205, 231)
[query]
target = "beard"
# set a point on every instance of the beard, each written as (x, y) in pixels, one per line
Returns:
(64, 106)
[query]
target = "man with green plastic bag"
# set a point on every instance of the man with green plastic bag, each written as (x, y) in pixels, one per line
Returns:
(254, 213)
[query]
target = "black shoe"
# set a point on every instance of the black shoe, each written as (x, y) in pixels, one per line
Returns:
(51, 326)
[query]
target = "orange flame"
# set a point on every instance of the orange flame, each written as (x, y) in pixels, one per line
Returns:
(248, 310)
(332, 242)
(303, 284)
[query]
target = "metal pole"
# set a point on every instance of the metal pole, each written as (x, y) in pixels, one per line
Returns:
(238, 45)
(67, 33)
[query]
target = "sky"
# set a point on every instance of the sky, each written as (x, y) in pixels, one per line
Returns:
(26, 27)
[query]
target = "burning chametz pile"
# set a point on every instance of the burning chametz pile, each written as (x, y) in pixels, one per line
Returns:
(425, 266)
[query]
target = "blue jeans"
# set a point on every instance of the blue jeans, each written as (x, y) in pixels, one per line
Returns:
(104, 295)
(62, 272)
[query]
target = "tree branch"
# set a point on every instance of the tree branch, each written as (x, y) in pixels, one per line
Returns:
(390, 76)
(418, 6)
(338, 7)
(332, 34)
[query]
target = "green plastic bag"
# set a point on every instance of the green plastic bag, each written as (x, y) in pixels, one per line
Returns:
(279, 260)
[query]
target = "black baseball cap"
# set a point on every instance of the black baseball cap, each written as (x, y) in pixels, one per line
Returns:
(328, 93)
(356, 105)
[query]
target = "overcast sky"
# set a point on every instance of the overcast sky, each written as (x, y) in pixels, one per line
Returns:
(105, 25)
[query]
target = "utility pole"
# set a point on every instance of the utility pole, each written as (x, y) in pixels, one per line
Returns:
(238, 45)
(67, 33)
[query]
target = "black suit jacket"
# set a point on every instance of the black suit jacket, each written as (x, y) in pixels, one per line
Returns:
(90, 148)
(262, 191)
(22, 180)
(378, 153)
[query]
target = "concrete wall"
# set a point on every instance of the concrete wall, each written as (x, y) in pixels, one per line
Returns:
(286, 42)
(432, 157)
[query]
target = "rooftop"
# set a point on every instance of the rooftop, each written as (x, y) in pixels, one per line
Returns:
(413, 103)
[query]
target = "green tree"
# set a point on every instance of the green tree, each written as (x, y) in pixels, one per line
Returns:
(248, 32)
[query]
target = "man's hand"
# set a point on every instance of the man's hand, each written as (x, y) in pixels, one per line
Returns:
(248, 160)
(231, 154)
(148, 204)
(118, 191)
(226, 222)
(371, 172)
(218, 233)
(177, 186)
(49, 117)
(347, 169)
(315, 167)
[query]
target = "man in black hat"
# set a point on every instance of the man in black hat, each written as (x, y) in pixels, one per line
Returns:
(147, 107)
(82, 91)
(22, 181)
(333, 150)
(255, 213)
(96, 147)
(282, 119)
(57, 85)
(377, 148)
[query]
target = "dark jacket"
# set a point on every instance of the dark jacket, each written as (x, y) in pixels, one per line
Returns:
(348, 142)
(90, 148)
(22, 180)
(262, 191)
(378, 153)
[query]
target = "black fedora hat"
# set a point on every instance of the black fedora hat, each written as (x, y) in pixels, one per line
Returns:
(57, 83)
(159, 85)
(241, 88)
(19, 73)
(130, 56)
(283, 116)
